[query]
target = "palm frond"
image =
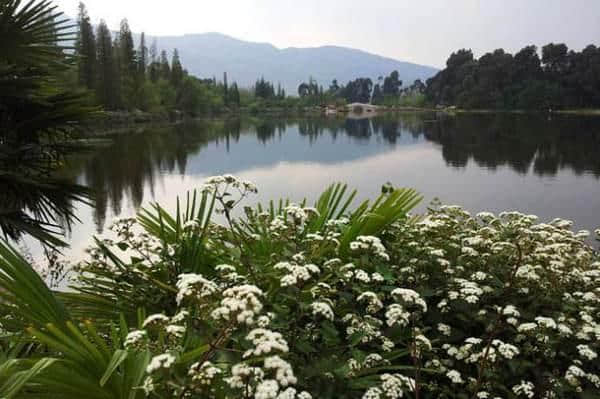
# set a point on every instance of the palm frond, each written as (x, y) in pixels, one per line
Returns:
(37, 118)
(83, 358)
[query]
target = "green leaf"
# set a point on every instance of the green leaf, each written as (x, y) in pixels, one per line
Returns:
(18, 380)
(118, 357)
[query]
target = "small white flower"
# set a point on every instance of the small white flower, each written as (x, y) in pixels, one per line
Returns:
(164, 361)
(525, 388)
(586, 352)
(323, 309)
(455, 377)
(134, 338)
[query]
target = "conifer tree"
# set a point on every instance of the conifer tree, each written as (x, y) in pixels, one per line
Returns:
(176, 69)
(106, 67)
(117, 94)
(154, 68)
(128, 56)
(165, 69)
(128, 65)
(142, 57)
(86, 49)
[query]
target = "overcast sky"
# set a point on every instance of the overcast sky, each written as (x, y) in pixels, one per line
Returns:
(424, 31)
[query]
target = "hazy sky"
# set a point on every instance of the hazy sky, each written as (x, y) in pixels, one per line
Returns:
(424, 31)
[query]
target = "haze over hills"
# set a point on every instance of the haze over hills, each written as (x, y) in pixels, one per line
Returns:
(210, 54)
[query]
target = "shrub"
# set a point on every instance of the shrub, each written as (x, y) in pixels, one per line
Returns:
(290, 301)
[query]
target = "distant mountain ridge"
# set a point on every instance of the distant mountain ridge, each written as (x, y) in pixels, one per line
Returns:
(210, 54)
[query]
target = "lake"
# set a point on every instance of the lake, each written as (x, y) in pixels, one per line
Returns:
(535, 163)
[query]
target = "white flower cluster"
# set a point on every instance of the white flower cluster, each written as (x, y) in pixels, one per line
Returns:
(529, 294)
(163, 361)
(203, 373)
(194, 286)
(135, 338)
(374, 304)
(296, 273)
(213, 182)
(157, 320)
(392, 386)
(525, 388)
(370, 244)
(322, 309)
(410, 297)
(265, 341)
(251, 380)
(240, 302)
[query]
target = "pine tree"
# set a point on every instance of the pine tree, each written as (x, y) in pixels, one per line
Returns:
(86, 49)
(106, 77)
(117, 74)
(128, 56)
(165, 69)
(176, 69)
(142, 57)
(154, 69)
(128, 65)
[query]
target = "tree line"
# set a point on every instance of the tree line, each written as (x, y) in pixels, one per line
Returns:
(560, 78)
(123, 77)
(387, 91)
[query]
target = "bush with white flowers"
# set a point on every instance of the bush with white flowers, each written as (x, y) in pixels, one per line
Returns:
(286, 303)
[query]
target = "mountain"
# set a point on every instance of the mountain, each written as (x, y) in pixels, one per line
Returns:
(210, 54)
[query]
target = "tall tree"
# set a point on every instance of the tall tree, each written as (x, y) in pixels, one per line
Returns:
(392, 84)
(165, 69)
(128, 65)
(142, 56)
(117, 73)
(106, 67)
(127, 49)
(176, 69)
(85, 49)
(555, 58)
(154, 68)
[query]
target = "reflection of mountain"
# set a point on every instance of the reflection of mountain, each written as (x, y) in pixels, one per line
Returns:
(135, 163)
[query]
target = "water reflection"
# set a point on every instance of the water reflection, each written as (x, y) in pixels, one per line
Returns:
(131, 168)
(520, 141)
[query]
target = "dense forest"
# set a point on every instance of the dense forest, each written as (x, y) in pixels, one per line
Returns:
(559, 79)
(123, 77)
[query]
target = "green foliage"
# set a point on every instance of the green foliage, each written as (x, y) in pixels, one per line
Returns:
(499, 80)
(37, 118)
(358, 90)
(86, 49)
(333, 301)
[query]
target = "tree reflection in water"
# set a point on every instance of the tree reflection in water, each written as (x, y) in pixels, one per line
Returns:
(527, 144)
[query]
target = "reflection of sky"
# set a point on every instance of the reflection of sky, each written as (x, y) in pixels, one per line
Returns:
(296, 167)
(249, 153)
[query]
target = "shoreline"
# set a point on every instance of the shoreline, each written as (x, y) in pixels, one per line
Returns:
(121, 122)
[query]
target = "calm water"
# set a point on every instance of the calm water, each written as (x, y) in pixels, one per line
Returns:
(546, 166)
